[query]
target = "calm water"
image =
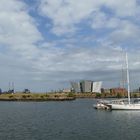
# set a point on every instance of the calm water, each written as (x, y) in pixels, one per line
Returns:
(73, 120)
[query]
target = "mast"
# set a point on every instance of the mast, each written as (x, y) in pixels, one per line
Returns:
(128, 81)
(123, 80)
(9, 86)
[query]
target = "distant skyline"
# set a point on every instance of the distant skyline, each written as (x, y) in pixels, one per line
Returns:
(45, 44)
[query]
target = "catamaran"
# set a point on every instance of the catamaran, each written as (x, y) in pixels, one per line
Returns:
(121, 104)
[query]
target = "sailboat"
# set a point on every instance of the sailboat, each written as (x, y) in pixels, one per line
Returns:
(121, 104)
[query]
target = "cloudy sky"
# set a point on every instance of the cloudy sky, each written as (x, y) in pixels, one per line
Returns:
(45, 44)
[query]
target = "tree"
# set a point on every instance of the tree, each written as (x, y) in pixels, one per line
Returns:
(71, 95)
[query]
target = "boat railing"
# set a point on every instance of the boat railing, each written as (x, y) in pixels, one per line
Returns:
(120, 101)
(103, 101)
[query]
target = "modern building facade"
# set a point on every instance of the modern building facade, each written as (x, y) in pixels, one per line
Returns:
(86, 86)
(96, 87)
(75, 87)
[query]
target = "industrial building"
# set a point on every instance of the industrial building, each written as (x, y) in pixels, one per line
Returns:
(115, 91)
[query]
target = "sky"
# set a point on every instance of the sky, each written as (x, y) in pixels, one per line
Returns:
(45, 44)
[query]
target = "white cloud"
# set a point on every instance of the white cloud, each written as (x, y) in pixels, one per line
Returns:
(82, 59)
(127, 33)
(123, 8)
(66, 14)
(18, 36)
(18, 30)
(102, 21)
(24, 56)
(99, 63)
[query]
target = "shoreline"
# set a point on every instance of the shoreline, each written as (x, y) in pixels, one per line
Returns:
(38, 100)
(42, 97)
(33, 97)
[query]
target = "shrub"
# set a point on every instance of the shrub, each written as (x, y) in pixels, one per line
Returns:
(28, 96)
(11, 96)
(56, 96)
(42, 96)
(46, 95)
(98, 95)
(24, 96)
(135, 95)
(71, 95)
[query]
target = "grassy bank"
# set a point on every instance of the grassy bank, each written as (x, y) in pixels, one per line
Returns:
(59, 96)
(36, 97)
(105, 95)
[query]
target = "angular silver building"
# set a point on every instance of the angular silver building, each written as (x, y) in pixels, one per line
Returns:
(86, 86)
(96, 87)
(75, 86)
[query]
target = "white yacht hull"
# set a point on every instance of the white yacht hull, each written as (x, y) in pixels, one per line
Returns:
(125, 106)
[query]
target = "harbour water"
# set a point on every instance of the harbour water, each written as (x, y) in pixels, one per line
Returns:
(67, 120)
